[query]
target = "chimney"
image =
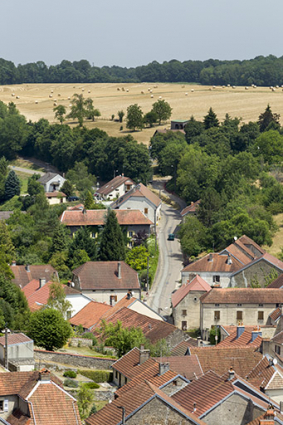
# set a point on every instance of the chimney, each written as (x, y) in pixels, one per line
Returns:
(229, 260)
(240, 330)
(42, 282)
(84, 211)
(192, 203)
(119, 270)
(255, 333)
(163, 368)
(231, 374)
(210, 258)
(269, 416)
(144, 354)
(44, 375)
(14, 263)
(27, 268)
(199, 341)
(129, 295)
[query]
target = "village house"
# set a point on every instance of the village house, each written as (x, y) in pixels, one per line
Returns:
(115, 188)
(229, 306)
(52, 182)
(190, 210)
(19, 354)
(25, 274)
(242, 335)
(140, 198)
(36, 398)
(106, 281)
(131, 221)
(186, 303)
(55, 198)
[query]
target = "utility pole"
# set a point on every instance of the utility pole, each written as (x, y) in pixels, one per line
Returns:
(6, 346)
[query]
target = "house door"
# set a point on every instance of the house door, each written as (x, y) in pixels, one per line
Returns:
(184, 325)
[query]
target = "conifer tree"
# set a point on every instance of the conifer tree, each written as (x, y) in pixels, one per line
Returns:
(88, 204)
(83, 241)
(60, 239)
(210, 120)
(268, 119)
(12, 185)
(112, 245)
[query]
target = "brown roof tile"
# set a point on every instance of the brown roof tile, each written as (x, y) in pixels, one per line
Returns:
(243, 296)
(182, 347)
(23, 277)
(15, 339)
(190, 208)
(98, 217)
(89, 315)
(261, 373)
(37, 296)
(187, 366)
(104, 275)
(248, 241)
(278, 338)
(277, 283)
(219, 264)
(113, 184)
(128, 363)
(244, 340)
(234, 250)
(140, 191)
(54, 194)
(276, 313)
(197, 284)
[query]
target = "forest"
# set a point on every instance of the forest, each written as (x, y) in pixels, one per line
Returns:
(261, 71)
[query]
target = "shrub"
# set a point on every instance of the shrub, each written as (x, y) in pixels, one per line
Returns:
(91, 385)
(97, 375)
(70, 374)
(71, 384)
(89, 335)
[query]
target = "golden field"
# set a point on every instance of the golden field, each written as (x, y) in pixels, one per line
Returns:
(34, 101)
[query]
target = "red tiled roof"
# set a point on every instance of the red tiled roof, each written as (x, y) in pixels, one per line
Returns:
(261, 420)
(89, 315)
(261, 373)
(98, 217)
(190, 208)
(241, 359)
(241, 246)
(18, 418)
(276, 313)
(114, 184)
(23, 277)
(140, 191)
(239, 254)
(54, 194)
(153, 329)
(182, 347)
(277, 283)
(187, 366)
(104, 275)
(205, 392)
(219, 264)
(243, 296)
(128, 363)
(15, 339)
(37, 296)
(248, 241)
(197, 284)
(244, 340)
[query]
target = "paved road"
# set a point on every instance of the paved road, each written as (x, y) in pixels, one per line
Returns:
(25, 170)
(170, 257)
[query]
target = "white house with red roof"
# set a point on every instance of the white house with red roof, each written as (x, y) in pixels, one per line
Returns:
(115, 188)
(186, 303)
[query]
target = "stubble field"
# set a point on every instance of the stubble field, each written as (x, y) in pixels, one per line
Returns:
(34, 102)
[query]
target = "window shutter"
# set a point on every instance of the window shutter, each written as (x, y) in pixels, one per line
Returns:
(6, 405)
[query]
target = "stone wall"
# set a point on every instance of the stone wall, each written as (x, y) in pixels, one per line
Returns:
(81, 342)
(77, 361)
(256, 272)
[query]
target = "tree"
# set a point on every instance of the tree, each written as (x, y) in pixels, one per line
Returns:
(193, 236)
(112, 244)
(134, 117)
(67, 188)
(193, 128)
(12, 185)
(137, 258)
(85, 400)
(57, 299)
(122, 339)
(83, 241)
(91, 112)
(267, 118)
(79, 108)
(162, 109)
(80, 177)
(49, 329)
(60, 239)
(60, 111)
(88, 204)
(150, 118)
(210, 120)
(121, 115)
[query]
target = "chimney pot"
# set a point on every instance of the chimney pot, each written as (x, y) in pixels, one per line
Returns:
(163, 368)
(144, 355)
(229, 260)
(199, 341)
(231, 374)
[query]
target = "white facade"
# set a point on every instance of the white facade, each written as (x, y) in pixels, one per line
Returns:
(144, 205)
(140, 307)
(78, 302)
(54, 184)
(110, 297)
(211, 278)
(54, 200)
(118, 191)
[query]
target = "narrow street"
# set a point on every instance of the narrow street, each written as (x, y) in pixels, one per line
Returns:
(168, 273)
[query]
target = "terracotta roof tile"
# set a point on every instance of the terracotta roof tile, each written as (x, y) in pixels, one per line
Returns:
(104, 275)
(113, 184)
(128, 363)
(182, 347)
(140, 191)
(258, 420)
(248, 241)
(242, 359)
(277, 283)
(234, 250)
(243, 341)
(15, 339)
(243, 296)
(276, 314)
(23, 277)
(36, 296)
(192, 208)
(98, 217)
(197, 284)
(214, 263)
(54, 194)
(89, 315)
(187, 366)
(153, 329)
(18, 418)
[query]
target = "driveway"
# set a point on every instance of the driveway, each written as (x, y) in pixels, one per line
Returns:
(168, 273)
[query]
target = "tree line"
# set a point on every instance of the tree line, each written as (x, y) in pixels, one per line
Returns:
(262, 71)
(234, 169)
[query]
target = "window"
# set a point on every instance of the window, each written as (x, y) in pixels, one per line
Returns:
(93, 235)
(130, 244)
(195, 299)
(239, 315)
(4, 405)
(239, 305)
(146, 210)
(1, 405)
(260, 305)
(116, 374)
(175, 383)
(216, 279)
(216, 305)
(184, 325)
(277, 349)
(260, 316)
(184, 312)
(217, 315)
(130, 234)
(113, 298)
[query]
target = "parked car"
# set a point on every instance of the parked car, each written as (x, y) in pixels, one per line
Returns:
(171, 237)
(73, 198)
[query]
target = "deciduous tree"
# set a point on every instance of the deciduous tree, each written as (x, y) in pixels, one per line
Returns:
(162, 109)
(134, 117)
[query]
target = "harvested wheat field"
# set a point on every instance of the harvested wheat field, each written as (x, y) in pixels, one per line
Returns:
(37, 100)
